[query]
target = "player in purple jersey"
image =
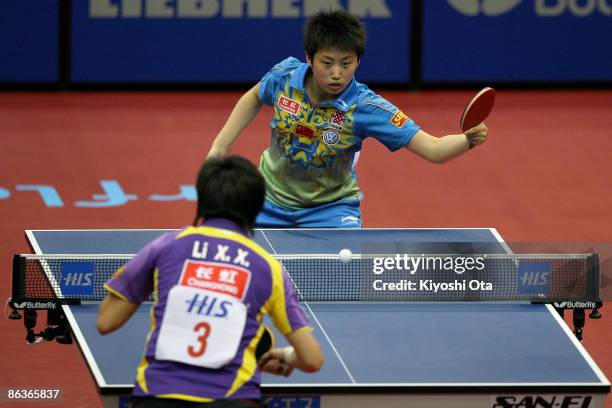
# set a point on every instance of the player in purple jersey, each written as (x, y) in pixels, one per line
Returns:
(322, 115)
(212, 286)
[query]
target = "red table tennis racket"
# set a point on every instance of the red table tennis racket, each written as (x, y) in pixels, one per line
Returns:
(477, 109)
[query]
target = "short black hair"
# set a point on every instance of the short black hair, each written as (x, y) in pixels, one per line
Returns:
(334, 29)
(230, 187)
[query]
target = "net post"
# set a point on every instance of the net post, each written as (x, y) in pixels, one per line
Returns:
(594, 279)
(18, 289)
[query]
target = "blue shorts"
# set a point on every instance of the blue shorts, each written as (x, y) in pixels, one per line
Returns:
(338, 214)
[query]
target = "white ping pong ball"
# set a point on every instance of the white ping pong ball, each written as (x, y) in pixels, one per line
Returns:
(345, 255)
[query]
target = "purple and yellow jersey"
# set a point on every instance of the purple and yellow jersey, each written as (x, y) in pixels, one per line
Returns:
(221, 270)
(310, 159)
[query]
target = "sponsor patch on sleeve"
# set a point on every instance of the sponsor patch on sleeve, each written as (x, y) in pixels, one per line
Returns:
(399, 119)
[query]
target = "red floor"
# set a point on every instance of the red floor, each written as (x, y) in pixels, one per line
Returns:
(543, 176)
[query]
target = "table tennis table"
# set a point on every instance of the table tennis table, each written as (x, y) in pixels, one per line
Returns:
(387, 354)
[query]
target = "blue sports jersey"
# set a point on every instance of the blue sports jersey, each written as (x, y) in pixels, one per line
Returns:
(310, 159)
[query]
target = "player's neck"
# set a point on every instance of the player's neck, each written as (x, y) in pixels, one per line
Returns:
(314, 94)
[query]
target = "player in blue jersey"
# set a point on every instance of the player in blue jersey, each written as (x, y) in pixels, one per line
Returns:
(212, 286)
(321, 117)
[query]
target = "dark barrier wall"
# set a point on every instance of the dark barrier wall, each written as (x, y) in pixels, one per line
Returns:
(29, 31)
(517, 40)
(221, 40)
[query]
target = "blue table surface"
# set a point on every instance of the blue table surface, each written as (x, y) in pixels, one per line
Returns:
(302, 241)
(396, 344)
(367, 343)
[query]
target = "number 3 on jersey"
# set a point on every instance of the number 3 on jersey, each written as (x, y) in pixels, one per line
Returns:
(205, 327)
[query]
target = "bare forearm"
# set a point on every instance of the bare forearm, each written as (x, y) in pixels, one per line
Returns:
(443, 149)
(243, 113)
(448, 147)
(113, 313)
(305, 353)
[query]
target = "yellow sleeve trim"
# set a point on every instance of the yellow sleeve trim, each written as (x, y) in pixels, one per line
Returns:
(277, 306)
(115, 293)
(303, 328)
(144, 363)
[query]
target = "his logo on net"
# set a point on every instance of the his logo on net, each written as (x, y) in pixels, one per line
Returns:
(534, 278)
(77, 278)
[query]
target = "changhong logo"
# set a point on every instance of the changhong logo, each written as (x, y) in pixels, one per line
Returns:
(486, 7)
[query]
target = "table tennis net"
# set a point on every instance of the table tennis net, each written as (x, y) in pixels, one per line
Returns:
(324, 278)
